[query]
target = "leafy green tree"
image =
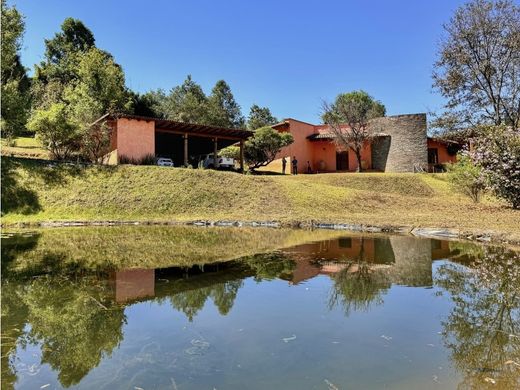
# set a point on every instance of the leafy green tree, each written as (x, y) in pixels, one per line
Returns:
(260, 117)
(185, 103)
(56, 131)
(348, 119)
(478, 66)
(99, 89)
(262, 148)
(147, 104)
(15, 83)
(466, 177)
(223, 110)
(61, 52)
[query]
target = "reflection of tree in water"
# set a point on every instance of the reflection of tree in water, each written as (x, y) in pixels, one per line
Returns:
(190, 295)
(483, 329)
(191, 301)
(358, 285)
(270, 265)
(73, 321)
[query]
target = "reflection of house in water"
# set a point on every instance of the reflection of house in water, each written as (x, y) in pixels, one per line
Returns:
(133, 284)
(406, 260)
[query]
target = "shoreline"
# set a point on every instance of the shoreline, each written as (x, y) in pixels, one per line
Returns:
(483, 236)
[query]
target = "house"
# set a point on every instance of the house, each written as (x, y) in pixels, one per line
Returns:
(136, 138)
(398, 144)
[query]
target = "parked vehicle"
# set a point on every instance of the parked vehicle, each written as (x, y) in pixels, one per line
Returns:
(223, 162)
(165, 162)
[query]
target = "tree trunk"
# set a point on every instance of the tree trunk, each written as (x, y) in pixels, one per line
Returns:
(358, 156)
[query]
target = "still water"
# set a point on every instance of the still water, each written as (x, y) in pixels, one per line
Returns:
(217, 308)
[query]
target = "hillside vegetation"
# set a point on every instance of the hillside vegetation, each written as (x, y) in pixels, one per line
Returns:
(35, 191)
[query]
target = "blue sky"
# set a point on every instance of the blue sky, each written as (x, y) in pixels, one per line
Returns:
(287, 55)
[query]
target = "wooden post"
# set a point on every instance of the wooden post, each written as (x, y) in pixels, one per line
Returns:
(242, 155)
(215, 153)
(185, 149)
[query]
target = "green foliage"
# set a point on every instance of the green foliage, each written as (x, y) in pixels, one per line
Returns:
(262, 148)
(87, 82)
(478, 66)
(61, 52)
(147, 104)
(15, 83)
(481, 331)
(223, 110)
(466, 177)
(260, 117)
(498, 153)
(232, 151)
(75, 321)
(355, 110)
(55, 130)
(185, 103)
(188, 103)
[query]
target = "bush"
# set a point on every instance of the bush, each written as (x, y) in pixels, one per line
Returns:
(57, 133)
(148, 159)
(466, 177)
(498, 153)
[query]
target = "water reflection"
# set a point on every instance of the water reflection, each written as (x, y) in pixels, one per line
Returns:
(482, 330)
(74, 309)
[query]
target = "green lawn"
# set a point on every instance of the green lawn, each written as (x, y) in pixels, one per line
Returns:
(28, 147)
(34, 191)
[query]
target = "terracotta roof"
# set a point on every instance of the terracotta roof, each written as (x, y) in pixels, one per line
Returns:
(331, 136)
(166, 124)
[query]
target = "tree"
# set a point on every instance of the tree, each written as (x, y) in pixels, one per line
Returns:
(478, 66)
(62, 50)
(466, 177)
(498, 153)
(15, 83)
(262, 148)
(348, 119)
(147, 104)
(223, 110)
(185, 103)
(260, 117)
(99, 89)
(55, 130)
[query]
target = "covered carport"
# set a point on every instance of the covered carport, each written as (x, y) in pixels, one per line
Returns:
(186, 143)
(138, 137)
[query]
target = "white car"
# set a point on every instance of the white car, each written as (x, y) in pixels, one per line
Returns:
(165, 162)
(223, 162)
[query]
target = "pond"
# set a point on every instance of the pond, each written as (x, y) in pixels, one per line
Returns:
(231, 308)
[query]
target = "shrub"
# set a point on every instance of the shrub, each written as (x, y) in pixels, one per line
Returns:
(57, 133)
(148, 159)
(466, 177)
(498, 153)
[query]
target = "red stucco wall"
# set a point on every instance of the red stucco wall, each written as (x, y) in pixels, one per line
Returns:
(442, 152)
(135, 138)
(301, 148)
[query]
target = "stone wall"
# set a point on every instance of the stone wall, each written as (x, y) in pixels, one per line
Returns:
(406, 145)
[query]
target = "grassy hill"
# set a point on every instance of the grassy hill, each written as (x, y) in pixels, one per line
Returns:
(35, 191)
